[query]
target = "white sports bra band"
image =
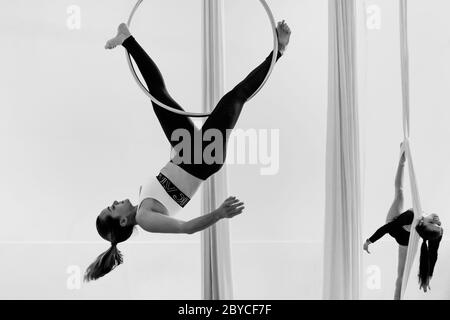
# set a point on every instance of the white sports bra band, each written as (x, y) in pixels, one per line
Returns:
(173, 187)
(172, 190)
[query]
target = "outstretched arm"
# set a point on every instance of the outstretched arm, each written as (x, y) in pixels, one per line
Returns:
(403, 220)
(378, 235)
(159, 223)
(229, 209)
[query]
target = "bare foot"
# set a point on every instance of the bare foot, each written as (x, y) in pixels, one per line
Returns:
(284, 34)
(122, 34)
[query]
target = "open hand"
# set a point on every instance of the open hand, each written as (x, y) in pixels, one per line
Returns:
(366, 247)
(230, 208)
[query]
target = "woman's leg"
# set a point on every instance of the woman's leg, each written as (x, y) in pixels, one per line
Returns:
(397, 206)
(402, 253)
(227, 112)
(169, 121)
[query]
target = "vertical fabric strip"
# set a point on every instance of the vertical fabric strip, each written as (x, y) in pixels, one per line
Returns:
(415, 196)
(216, 256)
(343, 188)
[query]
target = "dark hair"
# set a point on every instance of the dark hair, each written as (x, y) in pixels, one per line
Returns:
(110, 230)
(428, 253)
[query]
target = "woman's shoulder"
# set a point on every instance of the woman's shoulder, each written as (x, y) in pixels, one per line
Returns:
(145, 213)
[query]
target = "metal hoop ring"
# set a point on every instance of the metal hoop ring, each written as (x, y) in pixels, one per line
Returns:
(202, 115)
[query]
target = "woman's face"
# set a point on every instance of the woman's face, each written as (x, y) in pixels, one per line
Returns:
(118, 210)
(432, 223)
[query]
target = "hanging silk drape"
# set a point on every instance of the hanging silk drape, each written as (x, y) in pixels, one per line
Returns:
(342, 244)
(216, 261)
(414, 237)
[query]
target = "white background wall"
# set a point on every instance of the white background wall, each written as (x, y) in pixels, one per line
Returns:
(77, 133)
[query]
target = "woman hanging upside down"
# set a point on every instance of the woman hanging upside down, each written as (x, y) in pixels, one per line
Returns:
(398, 225)
(175, 184)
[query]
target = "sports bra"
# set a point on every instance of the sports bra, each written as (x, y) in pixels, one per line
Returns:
(173, 187)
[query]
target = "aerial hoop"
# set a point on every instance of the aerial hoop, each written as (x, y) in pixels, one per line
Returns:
(202, 115)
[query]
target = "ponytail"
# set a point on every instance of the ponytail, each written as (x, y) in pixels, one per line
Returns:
(433, 247)
(111, 230)
(424, 266)
(428, 258)
(104, 263)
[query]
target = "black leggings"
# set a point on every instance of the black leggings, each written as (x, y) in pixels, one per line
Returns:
(222, 118)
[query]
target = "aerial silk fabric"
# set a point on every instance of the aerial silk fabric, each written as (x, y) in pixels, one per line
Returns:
(216, 256)
(342, 243)
(414, 237)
